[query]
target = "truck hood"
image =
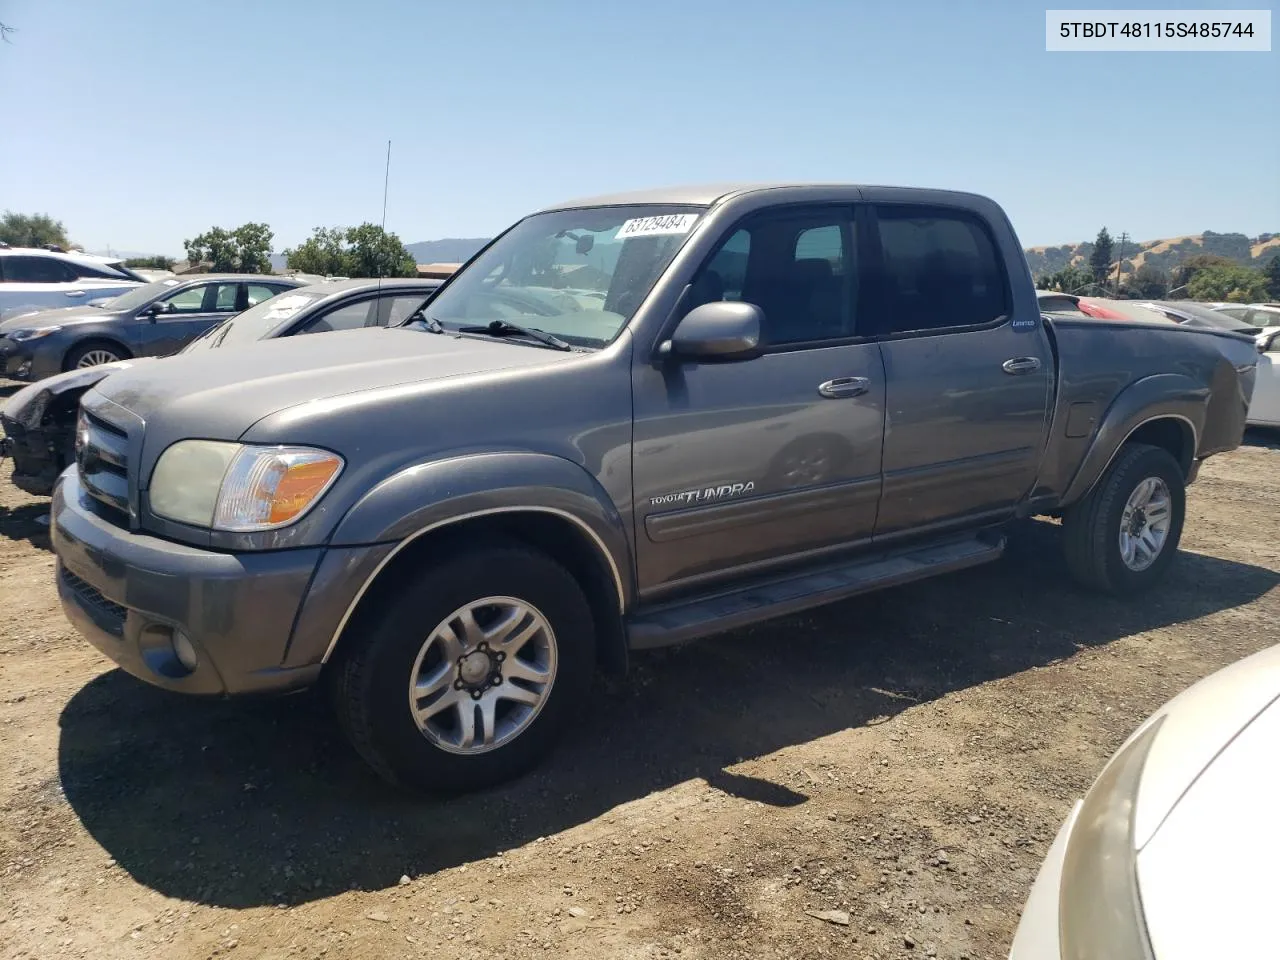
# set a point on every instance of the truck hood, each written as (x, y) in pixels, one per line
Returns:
(57, 317)
(219, 394)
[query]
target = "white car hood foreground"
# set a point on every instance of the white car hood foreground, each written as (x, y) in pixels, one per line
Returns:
(1208, 877)
(1206, 823)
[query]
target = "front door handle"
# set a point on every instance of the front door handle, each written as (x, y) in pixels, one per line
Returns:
(1021, 365)
(73, 293)
(844, 387)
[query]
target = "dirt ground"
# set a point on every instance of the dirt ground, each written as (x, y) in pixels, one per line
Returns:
(904, 758)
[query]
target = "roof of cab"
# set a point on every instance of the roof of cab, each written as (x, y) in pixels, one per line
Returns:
(708, 194)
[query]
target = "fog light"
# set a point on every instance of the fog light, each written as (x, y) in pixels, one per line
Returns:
(24, 370)
(184, 650)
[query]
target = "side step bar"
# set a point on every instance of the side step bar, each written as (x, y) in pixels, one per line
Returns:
(680, 621)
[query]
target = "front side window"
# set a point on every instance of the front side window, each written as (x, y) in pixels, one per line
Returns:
(37, 270)
(190, 300)
(393, 311)
(577, 274)
(939, 268)
(797, 266)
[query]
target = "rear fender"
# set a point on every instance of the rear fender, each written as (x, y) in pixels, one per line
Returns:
(1164, 396)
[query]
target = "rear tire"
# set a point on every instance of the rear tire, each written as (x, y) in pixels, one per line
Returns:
(406, 642)
(1111, 545)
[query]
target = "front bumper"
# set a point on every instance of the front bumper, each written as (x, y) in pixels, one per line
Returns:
(1037, 935)
(16, 359)
(128, 593)
(25, 360)
(37, 459)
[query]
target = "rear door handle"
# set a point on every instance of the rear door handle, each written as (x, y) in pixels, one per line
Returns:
(1021, 365)
(844, 387)
(73, 293)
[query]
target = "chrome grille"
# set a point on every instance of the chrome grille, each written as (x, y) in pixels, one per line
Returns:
(102, 456)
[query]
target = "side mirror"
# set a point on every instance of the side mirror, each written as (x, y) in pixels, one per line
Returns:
(155, 309)
(721, 331)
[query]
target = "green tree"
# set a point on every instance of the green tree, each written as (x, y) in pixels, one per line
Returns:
(364, 251)
(373, 252)
(1068, 280)
(246, 249)
(1234, 283)
(1100, 258)
(32, 230)
(1186, 271)
(153, 263)
(324, 252)
(1272, 272)
(1148, 283)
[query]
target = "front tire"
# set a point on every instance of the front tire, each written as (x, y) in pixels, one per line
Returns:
(465, 677)
(93, 354)
(1121, 538)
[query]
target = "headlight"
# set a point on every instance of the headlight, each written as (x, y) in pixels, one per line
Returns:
(32, 334)
(1099, 909)
(240, 488)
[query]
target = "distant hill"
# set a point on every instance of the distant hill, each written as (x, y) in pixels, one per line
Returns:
(1165, 254)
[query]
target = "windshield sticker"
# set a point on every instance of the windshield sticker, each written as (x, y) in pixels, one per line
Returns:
(705, 495)
(666, 225)
(286, 306)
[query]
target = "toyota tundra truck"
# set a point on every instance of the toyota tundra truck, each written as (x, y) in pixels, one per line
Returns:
(627, 422)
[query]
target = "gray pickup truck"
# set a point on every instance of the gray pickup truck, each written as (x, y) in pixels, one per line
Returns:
(628, 421)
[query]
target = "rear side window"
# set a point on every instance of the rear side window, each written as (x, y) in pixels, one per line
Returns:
(225, 299)
(258, 292)
(938, 269)
(37, 270)
(352, 316)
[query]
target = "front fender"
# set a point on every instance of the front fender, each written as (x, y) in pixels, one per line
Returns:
(1151, 398)
(434, 494)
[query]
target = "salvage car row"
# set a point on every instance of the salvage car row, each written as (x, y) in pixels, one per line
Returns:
(633, 421)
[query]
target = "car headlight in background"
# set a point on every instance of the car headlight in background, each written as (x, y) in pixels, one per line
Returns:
(1099, 907)
(21, 336)
(240, 488)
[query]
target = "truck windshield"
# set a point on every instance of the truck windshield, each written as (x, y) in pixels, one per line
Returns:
(578, 274)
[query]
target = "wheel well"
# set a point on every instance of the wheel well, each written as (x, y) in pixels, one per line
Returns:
(561, 539)
(1169, 433)
(124, 352)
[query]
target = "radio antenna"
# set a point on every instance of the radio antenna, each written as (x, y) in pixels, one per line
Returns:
(386, 182)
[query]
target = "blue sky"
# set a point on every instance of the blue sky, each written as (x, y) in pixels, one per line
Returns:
(139, 123)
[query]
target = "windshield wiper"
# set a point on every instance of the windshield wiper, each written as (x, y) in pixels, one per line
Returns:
(498, 328)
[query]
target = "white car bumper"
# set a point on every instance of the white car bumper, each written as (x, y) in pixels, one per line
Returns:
(1037, 934)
